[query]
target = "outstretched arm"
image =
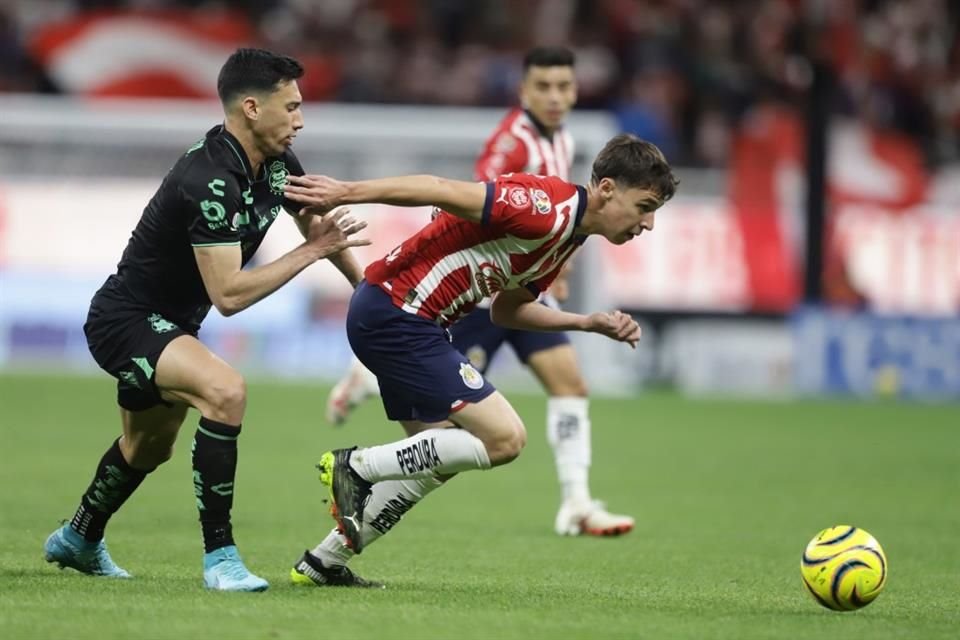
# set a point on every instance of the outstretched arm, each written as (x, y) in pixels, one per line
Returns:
(232, 289)
(518, 309)
(462, 199)
(345, 262)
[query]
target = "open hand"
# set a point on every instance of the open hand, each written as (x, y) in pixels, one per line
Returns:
(321, 192)
(616, 325)
(330, 234)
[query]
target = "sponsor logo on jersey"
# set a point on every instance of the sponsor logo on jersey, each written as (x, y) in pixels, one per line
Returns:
(541, 201)
(471, 377)
(216, 187)
(490, 279)
(239, 220)
(518, 197)
(213, 211)
(418, 456)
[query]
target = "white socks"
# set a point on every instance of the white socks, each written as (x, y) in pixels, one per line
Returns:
(428, 454)
(389, 500)
(568, 432)
(403, 473)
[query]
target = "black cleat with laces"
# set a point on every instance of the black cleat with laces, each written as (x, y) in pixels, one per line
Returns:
(309, 571)
(349, 493)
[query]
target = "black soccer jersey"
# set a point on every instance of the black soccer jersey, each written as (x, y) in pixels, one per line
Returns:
(210, 197)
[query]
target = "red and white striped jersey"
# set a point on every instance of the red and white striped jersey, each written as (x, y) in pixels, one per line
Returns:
(527, 232)
(519, 146)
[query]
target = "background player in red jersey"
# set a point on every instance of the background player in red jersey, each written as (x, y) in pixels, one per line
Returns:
(530, 139)
(507, 239)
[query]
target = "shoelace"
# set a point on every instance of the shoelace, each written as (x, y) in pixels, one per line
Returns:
(98, 557)
(102, 559)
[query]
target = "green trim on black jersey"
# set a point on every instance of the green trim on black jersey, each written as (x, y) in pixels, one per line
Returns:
(246, 170)
(216, 244)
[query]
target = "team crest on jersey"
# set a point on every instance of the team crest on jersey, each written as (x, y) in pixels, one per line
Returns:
(278, 177)
(471, 377)
(541, 201)
(518, 197)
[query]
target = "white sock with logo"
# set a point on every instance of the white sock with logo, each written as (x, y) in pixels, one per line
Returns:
(389, 501)
(429, 453)
(568, 432)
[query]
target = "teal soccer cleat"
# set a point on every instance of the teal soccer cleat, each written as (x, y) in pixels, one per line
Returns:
(223, 570)
(67, 548)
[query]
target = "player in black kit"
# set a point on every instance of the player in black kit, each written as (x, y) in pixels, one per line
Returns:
(187, 252)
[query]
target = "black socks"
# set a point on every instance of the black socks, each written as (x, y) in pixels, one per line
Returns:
(113, 483)
(214, 468)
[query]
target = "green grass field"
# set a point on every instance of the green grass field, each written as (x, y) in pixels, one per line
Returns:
(726, 496)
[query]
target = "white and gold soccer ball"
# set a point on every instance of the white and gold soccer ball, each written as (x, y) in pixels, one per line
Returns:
(844, 568)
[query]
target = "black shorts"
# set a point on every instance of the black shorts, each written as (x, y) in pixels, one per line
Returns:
(127, 342)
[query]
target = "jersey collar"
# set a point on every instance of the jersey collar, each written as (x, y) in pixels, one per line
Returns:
(541, 129)
(235, 147)
(581, 209)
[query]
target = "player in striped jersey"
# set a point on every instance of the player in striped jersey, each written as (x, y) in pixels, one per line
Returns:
(530, 139)
(506, 239)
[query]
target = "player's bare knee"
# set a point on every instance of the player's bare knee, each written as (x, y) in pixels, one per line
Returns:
(227, 399)
(507, 444)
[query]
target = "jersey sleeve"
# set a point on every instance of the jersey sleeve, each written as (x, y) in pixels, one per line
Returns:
(504, 153)
(211, 199)
(521, 205)
(294, 168)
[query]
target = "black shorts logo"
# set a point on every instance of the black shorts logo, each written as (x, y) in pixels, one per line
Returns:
(159, 324)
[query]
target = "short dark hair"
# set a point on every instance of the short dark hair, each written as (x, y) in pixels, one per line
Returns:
(632, 162)
(255, 70)
(548, 57)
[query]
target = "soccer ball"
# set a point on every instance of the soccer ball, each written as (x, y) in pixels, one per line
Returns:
(844, 568)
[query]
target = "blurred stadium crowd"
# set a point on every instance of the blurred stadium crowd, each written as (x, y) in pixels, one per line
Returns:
(681, 73)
